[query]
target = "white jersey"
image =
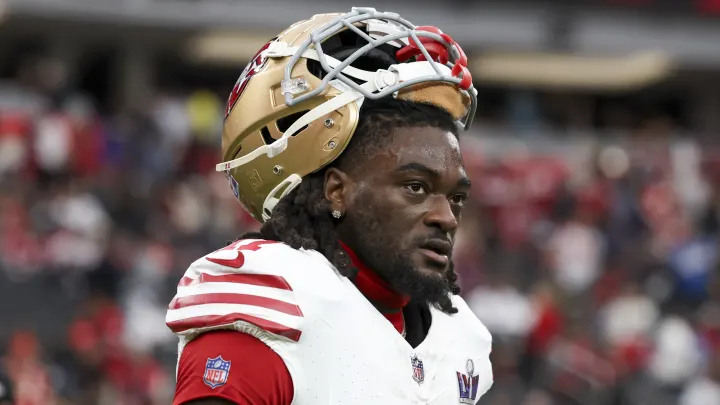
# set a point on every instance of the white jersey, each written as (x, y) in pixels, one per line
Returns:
(337, 347)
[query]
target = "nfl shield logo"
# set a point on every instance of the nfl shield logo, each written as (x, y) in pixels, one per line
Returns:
(216, 372)
(418, 370)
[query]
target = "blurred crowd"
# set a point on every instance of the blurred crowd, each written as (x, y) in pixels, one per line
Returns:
(592, 262)
(99, 216)
(600, 290)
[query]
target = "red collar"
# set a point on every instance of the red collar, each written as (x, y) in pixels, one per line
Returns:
(378, 291)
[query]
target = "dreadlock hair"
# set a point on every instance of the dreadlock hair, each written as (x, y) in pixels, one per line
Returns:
(302, 218)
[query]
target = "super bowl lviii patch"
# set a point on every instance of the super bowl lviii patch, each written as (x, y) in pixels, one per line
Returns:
(217, 371)
(468, 384)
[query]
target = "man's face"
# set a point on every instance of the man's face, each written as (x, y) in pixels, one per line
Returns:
(404, 210)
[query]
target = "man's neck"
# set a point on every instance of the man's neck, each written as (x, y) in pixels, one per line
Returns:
(386, 300)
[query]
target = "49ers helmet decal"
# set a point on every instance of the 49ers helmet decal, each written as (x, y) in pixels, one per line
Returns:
(257, 63)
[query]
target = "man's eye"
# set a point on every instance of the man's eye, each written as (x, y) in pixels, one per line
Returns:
(459, 200)
(416, 188)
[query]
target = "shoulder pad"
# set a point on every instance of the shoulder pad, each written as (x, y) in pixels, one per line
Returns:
(242, 286)
(478, 330)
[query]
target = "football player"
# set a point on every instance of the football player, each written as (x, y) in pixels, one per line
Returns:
(341, 137)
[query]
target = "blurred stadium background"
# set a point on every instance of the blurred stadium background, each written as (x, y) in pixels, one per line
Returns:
(590, 251)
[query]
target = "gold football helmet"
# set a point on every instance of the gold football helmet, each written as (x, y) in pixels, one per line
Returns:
(296, 105)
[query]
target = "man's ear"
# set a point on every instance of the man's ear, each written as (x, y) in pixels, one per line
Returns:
(338, 189)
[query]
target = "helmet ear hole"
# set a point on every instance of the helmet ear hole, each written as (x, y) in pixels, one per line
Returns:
(284, 123)
(267, 138)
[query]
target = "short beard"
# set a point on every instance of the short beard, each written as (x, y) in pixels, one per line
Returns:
(394, 264)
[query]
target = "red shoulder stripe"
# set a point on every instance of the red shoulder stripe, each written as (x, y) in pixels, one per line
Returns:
(263, 280)
(231, 298)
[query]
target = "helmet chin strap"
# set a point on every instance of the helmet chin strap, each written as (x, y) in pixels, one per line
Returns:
(279, 145)
(289, 183)
(347, 96)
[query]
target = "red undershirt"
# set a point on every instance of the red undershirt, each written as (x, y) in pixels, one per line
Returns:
(261, 377)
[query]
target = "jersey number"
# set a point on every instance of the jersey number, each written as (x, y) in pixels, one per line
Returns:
(239, 261)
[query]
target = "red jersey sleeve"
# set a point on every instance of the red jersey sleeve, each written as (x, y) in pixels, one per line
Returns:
(233, 366)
